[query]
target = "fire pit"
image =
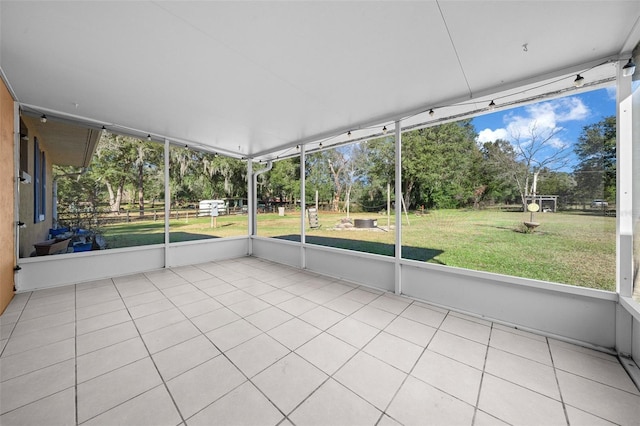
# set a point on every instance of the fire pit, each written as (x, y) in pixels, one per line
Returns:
(365, 223)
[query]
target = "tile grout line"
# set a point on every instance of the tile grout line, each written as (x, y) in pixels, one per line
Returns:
(358, 350)
(263, 332)
(484, 367)
(150, 357)
(438, 328)
(408, 374)
(15, 324)
(448, 357)
(520, 385)
(292, 351)
(35, 400)
(345, 316)
(286, 416)
(38, 369)
(616, 362)
(555, 375)
(331, 376)
(221, 352)
(164, 382)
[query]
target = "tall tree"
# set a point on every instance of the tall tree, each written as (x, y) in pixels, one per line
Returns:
(121, 165)
(378, 171)
(595, 173)
(355, 172)
(76, 186)
(146, 164)
(226, 176)
(197, 175)
(537, 149)
(318, 177)
(437, 164)
(500, 170)
(282, 181)
(337, 162)
(114, 162)
(345, 174)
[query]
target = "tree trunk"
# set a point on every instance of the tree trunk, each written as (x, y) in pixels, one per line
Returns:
(525, 193)
(522, 190)
(118, 200)
(477, 196)
(407, 193)
(335, 204)
(338, 187)
(141, 189)
(112, 198)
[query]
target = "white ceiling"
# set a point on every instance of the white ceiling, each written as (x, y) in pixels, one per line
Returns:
(253, 78)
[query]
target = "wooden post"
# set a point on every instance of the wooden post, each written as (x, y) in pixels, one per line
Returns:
(405, 210)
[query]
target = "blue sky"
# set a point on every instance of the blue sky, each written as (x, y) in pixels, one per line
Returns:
(569, 114)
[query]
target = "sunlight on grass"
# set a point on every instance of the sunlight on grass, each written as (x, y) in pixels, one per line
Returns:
(566, 248)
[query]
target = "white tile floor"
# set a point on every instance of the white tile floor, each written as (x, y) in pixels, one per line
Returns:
(250, 342)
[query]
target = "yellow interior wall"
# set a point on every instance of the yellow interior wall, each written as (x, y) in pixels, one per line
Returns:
(7, 184)
(34, 232)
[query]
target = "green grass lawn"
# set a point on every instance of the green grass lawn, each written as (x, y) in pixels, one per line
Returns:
(145, 232)
(569, 248)
(577, 249)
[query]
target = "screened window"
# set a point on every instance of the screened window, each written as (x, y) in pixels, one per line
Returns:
(40, 183)
(527, 192)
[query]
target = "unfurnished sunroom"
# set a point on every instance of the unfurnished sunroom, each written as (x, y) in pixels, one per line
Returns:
(274, 103)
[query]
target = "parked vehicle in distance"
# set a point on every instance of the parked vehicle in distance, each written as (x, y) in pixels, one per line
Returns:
(599, 204)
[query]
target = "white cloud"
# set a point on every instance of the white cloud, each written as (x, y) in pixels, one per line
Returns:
(542, 118)
(571, 109)
(488, 135)
(546, 117)
(557, 143)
